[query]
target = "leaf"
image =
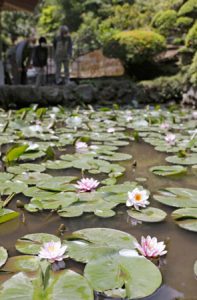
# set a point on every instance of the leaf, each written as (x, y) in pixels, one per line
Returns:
(25, 168)
(3, 256)
(190, 159)
(7, 215)
(31, 243)
(168, 170)
(10, 187)
(150, 214)
(140, 277)
(25, 263)
(15, 152)
(186, 218)
(177, 197)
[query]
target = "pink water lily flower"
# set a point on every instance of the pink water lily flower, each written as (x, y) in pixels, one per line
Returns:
(165, 126)
(150, 247)
(52, 251)
(138, 198)
(87, 185)
(194, 114)
(81, 147)
(170, 138)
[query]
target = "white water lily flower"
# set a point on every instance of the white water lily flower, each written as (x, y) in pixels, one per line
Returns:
(87, 185)
(81, 147)
(138, 198)
(165, 126)
(170, 138)
(150, 247)
(194, 115)
(111, 130)
(52, 251)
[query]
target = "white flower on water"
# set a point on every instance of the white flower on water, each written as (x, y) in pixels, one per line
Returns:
(87, 185)
(81, 147)
(137, 198)
(165, 126)
(150, 247)
(170, 138)
(52, 251)
(111, 130)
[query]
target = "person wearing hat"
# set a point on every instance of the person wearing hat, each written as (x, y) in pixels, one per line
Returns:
(63, 53)
(40, 57)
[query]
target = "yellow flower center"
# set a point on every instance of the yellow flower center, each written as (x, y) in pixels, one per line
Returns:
(138, 197)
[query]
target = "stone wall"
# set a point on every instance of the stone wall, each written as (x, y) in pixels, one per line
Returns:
(102, 92)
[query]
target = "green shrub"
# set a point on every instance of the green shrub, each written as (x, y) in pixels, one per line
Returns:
(193, 71)
(189, 8)
(164, 21)
(135, 46)
(184, 22)
(191, 38)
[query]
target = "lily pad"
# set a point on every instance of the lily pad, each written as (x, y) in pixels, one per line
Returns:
(3, 256)
(186, 218)
(62, 283)
(177, 197)
(24, 263)
(168, 170)
(7, 215)
(190, 159)
(31, 243)
(25, 168)
(150, 214)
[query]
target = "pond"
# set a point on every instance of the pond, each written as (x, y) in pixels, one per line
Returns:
(119, 149)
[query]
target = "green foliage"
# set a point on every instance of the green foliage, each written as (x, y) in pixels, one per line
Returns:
(191, 38)
(164, 21)
(50, 20)
(193, 71)
(188, 8)
(164, 88)
(17, 24)
(184, 22)
(135, 46)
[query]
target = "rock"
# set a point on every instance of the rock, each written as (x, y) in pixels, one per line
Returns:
(85, 93)
(52, 94)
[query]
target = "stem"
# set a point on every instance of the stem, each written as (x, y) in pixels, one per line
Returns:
(8, 199)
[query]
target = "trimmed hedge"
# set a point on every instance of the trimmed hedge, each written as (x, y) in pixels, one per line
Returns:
(193, 71)
(189, 8)
(135, 46)
(184, 22)
(191, 38)
(164, 21)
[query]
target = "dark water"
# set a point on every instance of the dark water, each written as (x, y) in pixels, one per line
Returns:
(179, 281)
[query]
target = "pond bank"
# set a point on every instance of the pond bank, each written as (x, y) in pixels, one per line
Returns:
(100, 91)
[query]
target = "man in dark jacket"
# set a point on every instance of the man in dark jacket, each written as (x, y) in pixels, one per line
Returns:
(40, 56)
(63, 53)
(23, 58)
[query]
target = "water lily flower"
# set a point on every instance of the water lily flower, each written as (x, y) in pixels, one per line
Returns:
(170, 138)
(81, 147)
(111, 130)
(52, 251)
(165, 126)
(87, 185)
(194, 115)
(138, 198)
(150, 247)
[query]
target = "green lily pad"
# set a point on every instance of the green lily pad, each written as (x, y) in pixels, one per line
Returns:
(24, 263)
(25, 168)
(168, 170)
(140, 277)
(58, 165)
(116, 157)
(5, 176)
(3, 256)
(59, 183)
(190, 159)
(32, 178)
(186, 218)
(62, 283)
(31, 243)
(7, 215)
(149, 214)
(195, 268)
(10, 187)
(177, 197)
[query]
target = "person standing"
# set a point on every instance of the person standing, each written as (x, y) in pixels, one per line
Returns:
(40, 56)
(63, 53)
(23, 58)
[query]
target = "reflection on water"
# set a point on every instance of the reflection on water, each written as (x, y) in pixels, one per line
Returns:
(178, 277)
